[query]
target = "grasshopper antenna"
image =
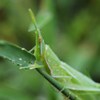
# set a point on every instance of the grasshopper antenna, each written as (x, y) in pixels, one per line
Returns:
(39, 48)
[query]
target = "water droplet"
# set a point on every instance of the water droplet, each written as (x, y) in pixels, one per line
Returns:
(20, 59)
(20, 64)
(23, 48)
(20, 67)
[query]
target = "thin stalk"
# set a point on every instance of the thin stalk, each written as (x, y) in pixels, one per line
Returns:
(65, 92)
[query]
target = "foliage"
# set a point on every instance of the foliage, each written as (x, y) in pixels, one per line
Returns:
(72, 32)
(47, 59)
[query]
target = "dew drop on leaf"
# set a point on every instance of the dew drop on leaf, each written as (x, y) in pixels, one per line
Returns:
(20, 59)
(23, 48)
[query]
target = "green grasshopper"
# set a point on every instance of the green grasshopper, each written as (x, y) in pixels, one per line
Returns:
(68, 77)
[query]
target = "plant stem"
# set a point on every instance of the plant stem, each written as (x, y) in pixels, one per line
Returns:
(66, 92)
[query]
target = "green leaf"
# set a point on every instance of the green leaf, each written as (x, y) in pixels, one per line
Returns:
(17, 55)
(22, 57)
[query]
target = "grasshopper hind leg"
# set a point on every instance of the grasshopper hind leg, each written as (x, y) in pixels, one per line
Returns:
(60, 78)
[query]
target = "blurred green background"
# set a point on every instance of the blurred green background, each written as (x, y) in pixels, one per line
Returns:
(72, 30)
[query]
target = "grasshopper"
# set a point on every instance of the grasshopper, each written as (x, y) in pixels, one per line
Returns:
(68, 77)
